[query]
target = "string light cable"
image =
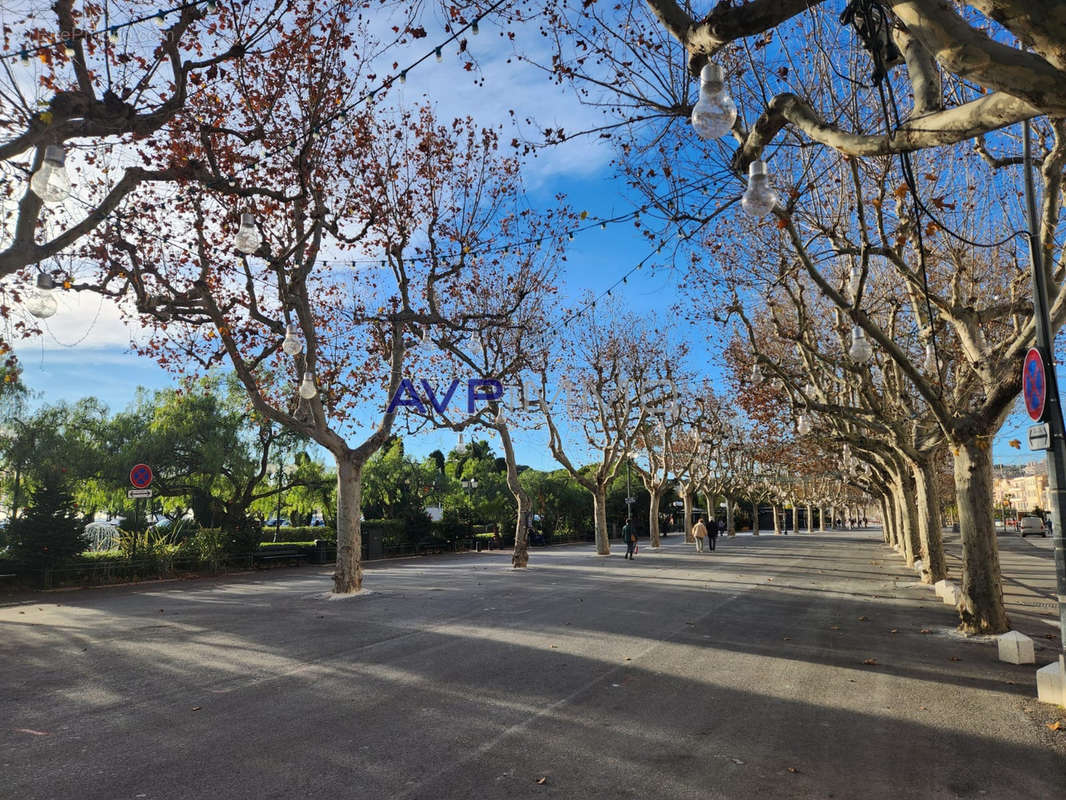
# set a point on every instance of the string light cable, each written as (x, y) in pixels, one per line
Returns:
(111, 31)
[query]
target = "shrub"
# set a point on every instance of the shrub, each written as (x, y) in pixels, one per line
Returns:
(391, 532)
(50, 532)
(450, 530)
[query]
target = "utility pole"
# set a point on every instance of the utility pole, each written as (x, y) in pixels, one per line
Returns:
(1052, 678)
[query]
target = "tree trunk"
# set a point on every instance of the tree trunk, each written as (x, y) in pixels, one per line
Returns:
(688, 515)
(912, 546)
(777, 519)
(888, 518)
(982, 609)
(821, 519)
(653, 515)
(810, 520)
(755, 518)
(934, 567)
(348, 577)
(520, 554)
(795, 518)
(599, 505)
(730, 523)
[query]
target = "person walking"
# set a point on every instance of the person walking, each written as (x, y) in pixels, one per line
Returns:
(699, 533)
(712, 533)
(630, 537)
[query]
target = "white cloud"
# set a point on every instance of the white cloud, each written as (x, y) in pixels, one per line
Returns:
(83, 320)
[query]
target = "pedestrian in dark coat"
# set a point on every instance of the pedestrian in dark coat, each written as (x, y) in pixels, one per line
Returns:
(712, 533)
(629, 535)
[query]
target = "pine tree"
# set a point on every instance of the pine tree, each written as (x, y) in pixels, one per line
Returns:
(51, 531)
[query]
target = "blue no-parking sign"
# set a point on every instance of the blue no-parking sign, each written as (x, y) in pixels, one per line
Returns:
(141, 476)
(1034, 384)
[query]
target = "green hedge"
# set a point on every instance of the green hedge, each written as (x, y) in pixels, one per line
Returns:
(268, 545)
(302, 533)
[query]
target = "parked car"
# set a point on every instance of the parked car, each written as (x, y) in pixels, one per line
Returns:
(1029, 525)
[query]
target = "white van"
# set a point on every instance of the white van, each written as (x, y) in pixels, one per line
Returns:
(1029, 525)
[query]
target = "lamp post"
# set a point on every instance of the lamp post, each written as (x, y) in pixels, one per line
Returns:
(1056, 456)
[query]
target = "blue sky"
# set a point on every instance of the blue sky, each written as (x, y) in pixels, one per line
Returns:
(85, 351)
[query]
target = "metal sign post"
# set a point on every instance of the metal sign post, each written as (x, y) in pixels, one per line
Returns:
(1042, 381)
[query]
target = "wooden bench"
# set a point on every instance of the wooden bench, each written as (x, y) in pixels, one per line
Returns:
(297, 554)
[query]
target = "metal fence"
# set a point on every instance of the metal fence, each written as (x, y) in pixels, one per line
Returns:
(99, 573)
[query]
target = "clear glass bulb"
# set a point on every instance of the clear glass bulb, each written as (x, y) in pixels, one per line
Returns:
(42, 303)
(715, 112)
(292, 344)
(248, 238)
(51, 182)
(853, 283)
(930, 359)
(860, 351)
(759, 198)
(756, 372)
(803, 425)
(307, 386)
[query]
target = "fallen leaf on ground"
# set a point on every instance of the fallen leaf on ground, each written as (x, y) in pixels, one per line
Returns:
(894, 630)
(793, 770)
(542, 780)
(1049, 636)
(926, 630)
(863, 619)
(629, 659)
(922, 708)
(956, 658)
(788, 638)
(196, 708)
(834, 627)
(554, 646)
(1055, 726)
(870, 662)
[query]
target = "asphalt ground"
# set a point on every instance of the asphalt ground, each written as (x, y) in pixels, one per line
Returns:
(792, 667)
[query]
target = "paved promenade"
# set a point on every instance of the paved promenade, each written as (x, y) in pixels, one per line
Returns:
(785, 667)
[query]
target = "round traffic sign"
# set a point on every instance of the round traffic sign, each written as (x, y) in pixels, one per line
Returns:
(1034, 384)
(141, 476)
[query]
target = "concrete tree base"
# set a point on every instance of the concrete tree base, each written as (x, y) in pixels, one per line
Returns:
(952, 594)
(1016, 648)
(919, 565)
(940, 586)
(1051, 683)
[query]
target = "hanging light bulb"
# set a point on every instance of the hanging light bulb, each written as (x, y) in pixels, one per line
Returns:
(248, 238)
(42, 303)
(51, 182)
(68, 48)
(307, 386)
(860, 351)
(440, 56)
(715, 112)
(292, 344)
(803, 425)
(474, 29)
(112, 34)
(808, 389)
(756, 372)
(930, 359)
(160, 18)
(403, 77)
(759, 199)
(853, 283)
